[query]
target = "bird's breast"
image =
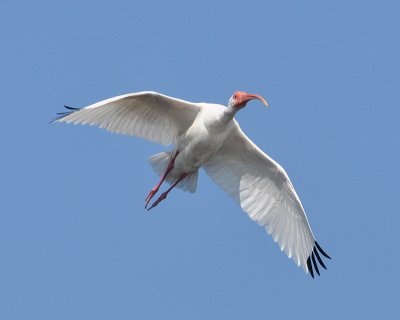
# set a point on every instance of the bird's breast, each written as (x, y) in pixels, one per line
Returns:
(199, 143)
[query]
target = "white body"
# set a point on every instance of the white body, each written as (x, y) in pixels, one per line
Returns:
(207, 135)
(202, 139)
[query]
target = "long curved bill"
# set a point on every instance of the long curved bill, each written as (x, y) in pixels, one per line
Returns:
(251, 96)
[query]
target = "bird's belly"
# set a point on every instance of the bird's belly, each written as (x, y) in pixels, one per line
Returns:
(194, 151)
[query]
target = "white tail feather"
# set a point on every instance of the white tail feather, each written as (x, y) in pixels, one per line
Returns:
(159, 162)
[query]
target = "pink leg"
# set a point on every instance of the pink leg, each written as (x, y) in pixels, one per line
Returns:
(153, 191)
(164, 194)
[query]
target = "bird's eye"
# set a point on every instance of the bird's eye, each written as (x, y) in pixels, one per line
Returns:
(234, 96)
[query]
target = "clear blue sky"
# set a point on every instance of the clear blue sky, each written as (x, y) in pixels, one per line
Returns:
(75, 241)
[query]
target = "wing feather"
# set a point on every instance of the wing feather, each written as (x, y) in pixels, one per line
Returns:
(264, 191)
(149, 115)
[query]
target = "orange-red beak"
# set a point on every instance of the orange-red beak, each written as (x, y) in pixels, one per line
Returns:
(250, 96)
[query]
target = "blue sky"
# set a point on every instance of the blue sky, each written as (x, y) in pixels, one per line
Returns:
(75, 241)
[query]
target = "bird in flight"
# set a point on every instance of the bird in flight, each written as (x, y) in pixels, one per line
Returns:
(207, 135)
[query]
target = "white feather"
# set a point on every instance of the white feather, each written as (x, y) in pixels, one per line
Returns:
(149, 115)
(264, 191)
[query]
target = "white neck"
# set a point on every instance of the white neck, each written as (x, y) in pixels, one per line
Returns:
(229, 113)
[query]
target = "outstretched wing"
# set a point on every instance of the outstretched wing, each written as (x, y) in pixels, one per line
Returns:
(264, 191)
(148, 115)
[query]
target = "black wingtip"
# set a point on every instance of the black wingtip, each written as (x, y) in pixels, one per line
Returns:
(61, 115)
(309, 266)
(315, 263)
(315, 258)
(322, 251)
(319, 258)
(71, 108)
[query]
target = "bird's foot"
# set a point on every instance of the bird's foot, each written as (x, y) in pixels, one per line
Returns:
(160, 198)
(150, 196)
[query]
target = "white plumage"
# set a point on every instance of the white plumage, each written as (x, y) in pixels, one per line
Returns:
(207, 135)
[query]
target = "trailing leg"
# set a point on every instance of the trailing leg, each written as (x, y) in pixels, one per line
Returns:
(168, 169)
(164, 194)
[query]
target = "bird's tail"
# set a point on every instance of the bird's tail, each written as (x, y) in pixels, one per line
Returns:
(159, 163)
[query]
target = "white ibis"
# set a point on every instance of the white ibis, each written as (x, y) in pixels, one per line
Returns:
(207, 135)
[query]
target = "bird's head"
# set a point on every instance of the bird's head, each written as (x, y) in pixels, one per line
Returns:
(239, 99)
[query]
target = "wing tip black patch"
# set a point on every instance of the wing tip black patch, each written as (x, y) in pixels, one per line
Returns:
(309, 267)
(322, 251)
(61, 115)
(314, 257)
